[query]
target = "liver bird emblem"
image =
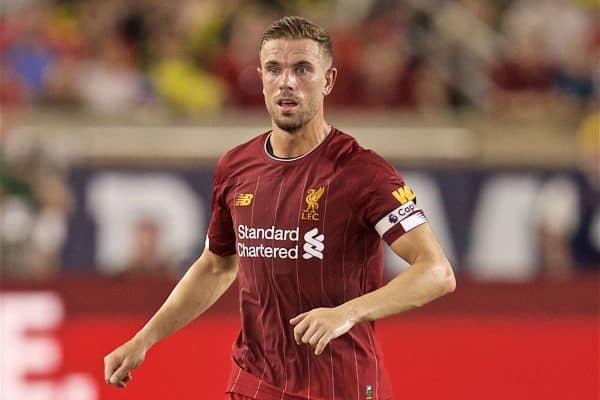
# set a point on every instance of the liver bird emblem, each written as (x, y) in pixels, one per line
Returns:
(312, 198)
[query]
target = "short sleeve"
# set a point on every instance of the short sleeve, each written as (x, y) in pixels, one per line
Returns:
(221, 235)
(390, 204)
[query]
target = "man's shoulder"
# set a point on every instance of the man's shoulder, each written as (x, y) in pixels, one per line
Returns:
(238, 157)
(353, 156)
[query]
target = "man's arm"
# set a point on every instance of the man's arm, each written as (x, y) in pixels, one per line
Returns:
(205, 281)
(429, 276)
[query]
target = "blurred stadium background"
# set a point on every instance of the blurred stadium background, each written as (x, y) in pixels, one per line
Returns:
(113, 114)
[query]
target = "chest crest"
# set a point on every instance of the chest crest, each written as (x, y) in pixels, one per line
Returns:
(312, 198)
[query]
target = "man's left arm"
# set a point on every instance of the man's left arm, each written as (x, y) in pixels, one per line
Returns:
(429, 276)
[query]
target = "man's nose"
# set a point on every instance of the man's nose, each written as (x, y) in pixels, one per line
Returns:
(287, 81)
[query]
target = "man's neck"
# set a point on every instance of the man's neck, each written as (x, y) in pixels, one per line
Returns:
(290, 145)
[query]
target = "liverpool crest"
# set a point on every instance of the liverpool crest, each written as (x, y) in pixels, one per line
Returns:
(312, 204)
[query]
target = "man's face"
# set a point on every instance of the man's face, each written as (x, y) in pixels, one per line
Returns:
(296, 75)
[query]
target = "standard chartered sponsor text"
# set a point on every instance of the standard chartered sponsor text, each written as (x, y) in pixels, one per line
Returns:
(272, 233)
(267, 251)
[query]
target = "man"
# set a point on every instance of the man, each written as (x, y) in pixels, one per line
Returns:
(298, 215)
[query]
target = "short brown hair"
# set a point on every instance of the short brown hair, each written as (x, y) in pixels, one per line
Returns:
(298, 28)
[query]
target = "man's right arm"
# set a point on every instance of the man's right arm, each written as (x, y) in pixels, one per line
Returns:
(205, 281)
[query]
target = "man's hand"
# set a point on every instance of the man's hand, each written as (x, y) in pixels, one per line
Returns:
(203, 283)
(119, 363)
(319, 326)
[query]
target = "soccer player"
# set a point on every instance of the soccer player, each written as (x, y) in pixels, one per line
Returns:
(298, 215)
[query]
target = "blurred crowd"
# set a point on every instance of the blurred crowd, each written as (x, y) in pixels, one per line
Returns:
(195, 57)
(529, 58)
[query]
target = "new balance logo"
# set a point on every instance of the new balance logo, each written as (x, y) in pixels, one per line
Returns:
(244, 199)
(313, 246)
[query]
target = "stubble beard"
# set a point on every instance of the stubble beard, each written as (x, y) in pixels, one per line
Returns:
(294, 124)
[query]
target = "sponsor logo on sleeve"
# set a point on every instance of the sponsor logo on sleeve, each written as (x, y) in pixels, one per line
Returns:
(243, 199)
(312, 204)
(404, 194)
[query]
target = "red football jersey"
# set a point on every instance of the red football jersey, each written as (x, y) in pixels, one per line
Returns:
(307, 232)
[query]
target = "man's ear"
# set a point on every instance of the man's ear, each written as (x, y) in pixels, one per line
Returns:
(330, 77)
(259, 71)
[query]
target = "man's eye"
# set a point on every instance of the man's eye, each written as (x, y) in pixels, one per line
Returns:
(302, 70)
(273, 70)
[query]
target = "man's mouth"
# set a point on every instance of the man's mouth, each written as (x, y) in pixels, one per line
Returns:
(287, 104)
